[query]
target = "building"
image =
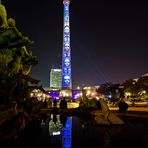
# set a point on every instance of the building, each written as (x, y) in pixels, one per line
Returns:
(66, 78)
(66, 55)
(55, 78)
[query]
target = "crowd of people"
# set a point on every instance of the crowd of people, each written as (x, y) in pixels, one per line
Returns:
(62, 103)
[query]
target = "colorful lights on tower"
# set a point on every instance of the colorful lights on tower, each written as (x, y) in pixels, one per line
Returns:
(66, 56)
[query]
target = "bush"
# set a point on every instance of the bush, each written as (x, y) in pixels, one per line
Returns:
(123, 106)
(98, 104)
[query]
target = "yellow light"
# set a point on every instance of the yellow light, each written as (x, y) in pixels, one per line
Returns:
(66, 94)
(144, 92)
(93, 94)
(31, 94)
(128, 94)
(88, 92)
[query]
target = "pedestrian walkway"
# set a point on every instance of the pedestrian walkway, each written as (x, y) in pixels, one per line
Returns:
(145, 109)
(137, 108)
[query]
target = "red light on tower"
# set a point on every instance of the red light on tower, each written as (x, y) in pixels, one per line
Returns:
(66, 1)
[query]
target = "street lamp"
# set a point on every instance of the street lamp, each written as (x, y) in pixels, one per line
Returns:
(78, 87)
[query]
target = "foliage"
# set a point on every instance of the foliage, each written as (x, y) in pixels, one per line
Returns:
(16, 61)
(136, 87)
(105, 88)
(123, 106)
(86, 103)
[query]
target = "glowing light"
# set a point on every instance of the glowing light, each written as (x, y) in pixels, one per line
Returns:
(57, 70)
(66, 61)
(66, 44)
(31, 94)
(109, 96)
(66, 39)
(67, 79)
(66, 2)
(78, 87)
(66, 29)
(56, 133)
(88, 92)
(98, 98)
(93, 94)
(128, 94)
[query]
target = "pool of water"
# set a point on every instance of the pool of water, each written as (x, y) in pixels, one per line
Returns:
(58, 131)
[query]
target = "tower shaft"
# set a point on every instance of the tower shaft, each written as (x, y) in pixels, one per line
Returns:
(66, 55)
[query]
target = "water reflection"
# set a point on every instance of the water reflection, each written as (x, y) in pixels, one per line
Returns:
(60, 128)
(55, 126)
(61, 131)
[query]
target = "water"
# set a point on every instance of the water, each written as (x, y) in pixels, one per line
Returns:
(58, 131)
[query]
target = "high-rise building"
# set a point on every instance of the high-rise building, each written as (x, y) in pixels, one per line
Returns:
(56, 78)
(66, 55)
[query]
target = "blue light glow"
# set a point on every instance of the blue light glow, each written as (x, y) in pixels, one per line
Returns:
(66, 39)
(66, 7)
(66, 19)
(66, 55)
(66, 61)
(67, 44)
(66, 79)
(68, 123)
(67, 133)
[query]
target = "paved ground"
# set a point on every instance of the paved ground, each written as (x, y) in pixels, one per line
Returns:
(136, 112)
(136, 108)
(145, 109)
(132, 108)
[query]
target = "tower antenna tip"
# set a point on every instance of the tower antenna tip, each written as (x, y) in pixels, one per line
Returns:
(66, 1)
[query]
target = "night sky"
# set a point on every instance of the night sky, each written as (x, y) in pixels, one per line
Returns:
(109, 39)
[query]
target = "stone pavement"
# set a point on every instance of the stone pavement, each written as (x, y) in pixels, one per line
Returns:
(143, 109)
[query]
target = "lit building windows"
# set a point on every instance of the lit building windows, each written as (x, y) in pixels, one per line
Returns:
(55, 78)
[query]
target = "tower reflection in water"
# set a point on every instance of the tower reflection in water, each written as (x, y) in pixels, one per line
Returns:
(60, 128)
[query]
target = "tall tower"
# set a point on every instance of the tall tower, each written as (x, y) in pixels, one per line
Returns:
(66, 56)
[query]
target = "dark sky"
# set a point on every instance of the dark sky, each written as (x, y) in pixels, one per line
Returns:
(109, 39)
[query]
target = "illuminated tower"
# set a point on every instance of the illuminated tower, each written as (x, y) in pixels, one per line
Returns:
(66, 55)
